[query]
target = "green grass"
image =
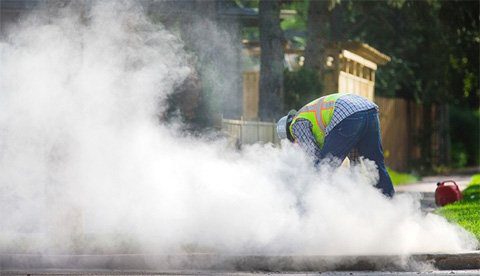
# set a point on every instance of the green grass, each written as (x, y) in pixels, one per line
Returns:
(401, 178)
(467, 211)
(475, 179)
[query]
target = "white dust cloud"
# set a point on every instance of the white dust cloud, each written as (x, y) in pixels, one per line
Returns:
(86, 166)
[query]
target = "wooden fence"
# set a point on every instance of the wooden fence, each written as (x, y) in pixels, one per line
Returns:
(243, 132)
(402, 123)
(250, 95)
(395, 132)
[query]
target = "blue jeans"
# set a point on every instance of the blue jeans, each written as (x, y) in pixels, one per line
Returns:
(360, 131)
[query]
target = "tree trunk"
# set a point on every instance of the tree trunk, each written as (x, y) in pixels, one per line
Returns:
(336, 24)
(316, 35)
(426, 137)
(271, 61)
(444, 132)
(229, 64)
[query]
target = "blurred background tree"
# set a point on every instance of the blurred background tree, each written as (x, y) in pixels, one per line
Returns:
(434, 46)
(271, 102)
(434, 50)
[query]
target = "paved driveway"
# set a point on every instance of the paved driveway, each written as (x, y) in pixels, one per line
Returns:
(429, 184)
(427, 187)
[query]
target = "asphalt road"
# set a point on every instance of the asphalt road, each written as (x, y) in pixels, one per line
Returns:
(115, 263)
(144, 273)
(211, 264)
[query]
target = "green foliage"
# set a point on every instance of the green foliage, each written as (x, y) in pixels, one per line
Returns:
(411, 33)
(475, 179)
(465, 135)
(461, 24)
(301, 87)
(459, 155)
(467, 211)
(294, 26)
(299, 21)
(433, 46)
(401, 178)
(396, 3)
(434, 49)
(250, 33)
(472, 193)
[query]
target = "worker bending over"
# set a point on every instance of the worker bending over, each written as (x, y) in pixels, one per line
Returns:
(337, 125)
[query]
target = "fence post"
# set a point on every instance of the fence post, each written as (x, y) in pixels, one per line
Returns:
(241, 130)
(258, 130)
(273, 131)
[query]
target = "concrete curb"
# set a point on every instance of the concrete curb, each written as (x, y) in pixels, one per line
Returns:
(214, 262)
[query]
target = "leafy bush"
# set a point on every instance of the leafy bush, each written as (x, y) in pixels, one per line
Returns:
(401, 178)
(301, 87)
(465, 135)
(475, 179)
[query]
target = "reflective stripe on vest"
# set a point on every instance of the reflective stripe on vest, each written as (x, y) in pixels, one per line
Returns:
(319, 112)
(318, 106)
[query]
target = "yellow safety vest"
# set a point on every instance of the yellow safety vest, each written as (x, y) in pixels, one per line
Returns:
(319, 113)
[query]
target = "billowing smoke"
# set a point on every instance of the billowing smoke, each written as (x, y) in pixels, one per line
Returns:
(86, 166)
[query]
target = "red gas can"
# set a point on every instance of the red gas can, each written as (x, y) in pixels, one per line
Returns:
(445, 194)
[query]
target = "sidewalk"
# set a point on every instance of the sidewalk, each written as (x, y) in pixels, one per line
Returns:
(428, 184)
(427, 187)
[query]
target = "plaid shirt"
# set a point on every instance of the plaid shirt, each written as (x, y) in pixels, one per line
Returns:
(344, 107)
(347, 105)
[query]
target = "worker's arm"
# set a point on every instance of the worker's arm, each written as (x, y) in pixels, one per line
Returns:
(302, 132)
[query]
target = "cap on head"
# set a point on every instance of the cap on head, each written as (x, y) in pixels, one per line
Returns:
(283, 125)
